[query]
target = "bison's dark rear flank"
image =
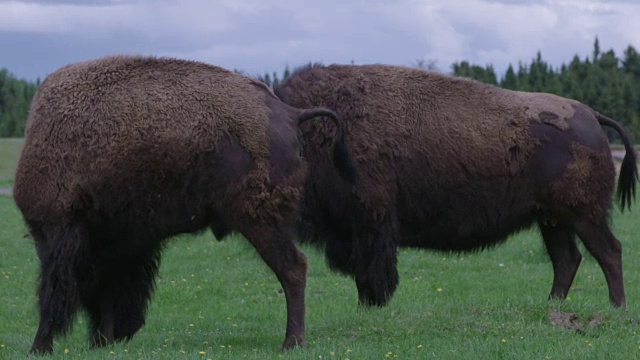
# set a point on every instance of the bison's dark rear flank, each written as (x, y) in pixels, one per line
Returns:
(123, 152)
(451, 164)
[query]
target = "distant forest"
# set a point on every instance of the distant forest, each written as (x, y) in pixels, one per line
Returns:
(15, 99)
(605, 81)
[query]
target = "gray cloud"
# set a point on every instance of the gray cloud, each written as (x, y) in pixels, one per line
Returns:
(265, 35)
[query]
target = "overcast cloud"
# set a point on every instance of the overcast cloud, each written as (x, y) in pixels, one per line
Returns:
(38, 36)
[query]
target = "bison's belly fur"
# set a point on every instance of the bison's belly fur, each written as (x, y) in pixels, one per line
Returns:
(451, 164)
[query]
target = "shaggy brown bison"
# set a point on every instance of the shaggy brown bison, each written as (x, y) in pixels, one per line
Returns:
(451, 164)
(123, 152)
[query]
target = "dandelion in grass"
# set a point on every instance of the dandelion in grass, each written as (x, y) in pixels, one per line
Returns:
(202, 352)
(439, 289)
(66, 351)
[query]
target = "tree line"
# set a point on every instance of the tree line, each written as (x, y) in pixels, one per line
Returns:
(608, 83)
(605, 81)
(15, 99)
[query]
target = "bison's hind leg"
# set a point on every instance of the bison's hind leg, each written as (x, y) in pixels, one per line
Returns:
(565, 257)
(62, 253)
(607, 250)
(277, 249)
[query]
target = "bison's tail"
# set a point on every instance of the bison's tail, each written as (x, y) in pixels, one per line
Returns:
(341, 158)
(629, 168)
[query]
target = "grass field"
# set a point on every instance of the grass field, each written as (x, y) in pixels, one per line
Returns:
(217, 300)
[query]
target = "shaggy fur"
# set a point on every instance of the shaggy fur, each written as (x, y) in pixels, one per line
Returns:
(123, 152)
(451, 164)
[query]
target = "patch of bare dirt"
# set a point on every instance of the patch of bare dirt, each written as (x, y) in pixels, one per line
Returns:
(572, 322)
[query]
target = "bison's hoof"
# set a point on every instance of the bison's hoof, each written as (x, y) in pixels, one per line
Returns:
(291, 343)
(42, 349)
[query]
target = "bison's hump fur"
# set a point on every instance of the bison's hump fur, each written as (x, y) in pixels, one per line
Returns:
(124, 151)
(452, 164)
(122, 118)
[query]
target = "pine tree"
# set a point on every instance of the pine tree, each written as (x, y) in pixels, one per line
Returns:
(490, 76)
(286, 73)
(510, 81)
(596, 50)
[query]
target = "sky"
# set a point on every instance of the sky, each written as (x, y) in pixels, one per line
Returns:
(258, 36)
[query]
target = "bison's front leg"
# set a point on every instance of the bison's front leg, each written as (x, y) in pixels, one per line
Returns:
(117, 303)
(565, 257)
(374, 259)
(290, 266)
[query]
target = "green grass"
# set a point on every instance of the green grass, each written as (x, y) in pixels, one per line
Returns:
(218, 300)
(9, 151)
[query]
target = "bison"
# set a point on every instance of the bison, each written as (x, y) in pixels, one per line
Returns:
(451, 164)
(123, 152)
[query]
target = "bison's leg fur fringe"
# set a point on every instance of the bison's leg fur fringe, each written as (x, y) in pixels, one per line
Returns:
(375, 262)
(117, 303)
(278, 250)
(607, 250)
(338, 255)
(132, 296)
(60, 252)
(114, 291)
(565, 257)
